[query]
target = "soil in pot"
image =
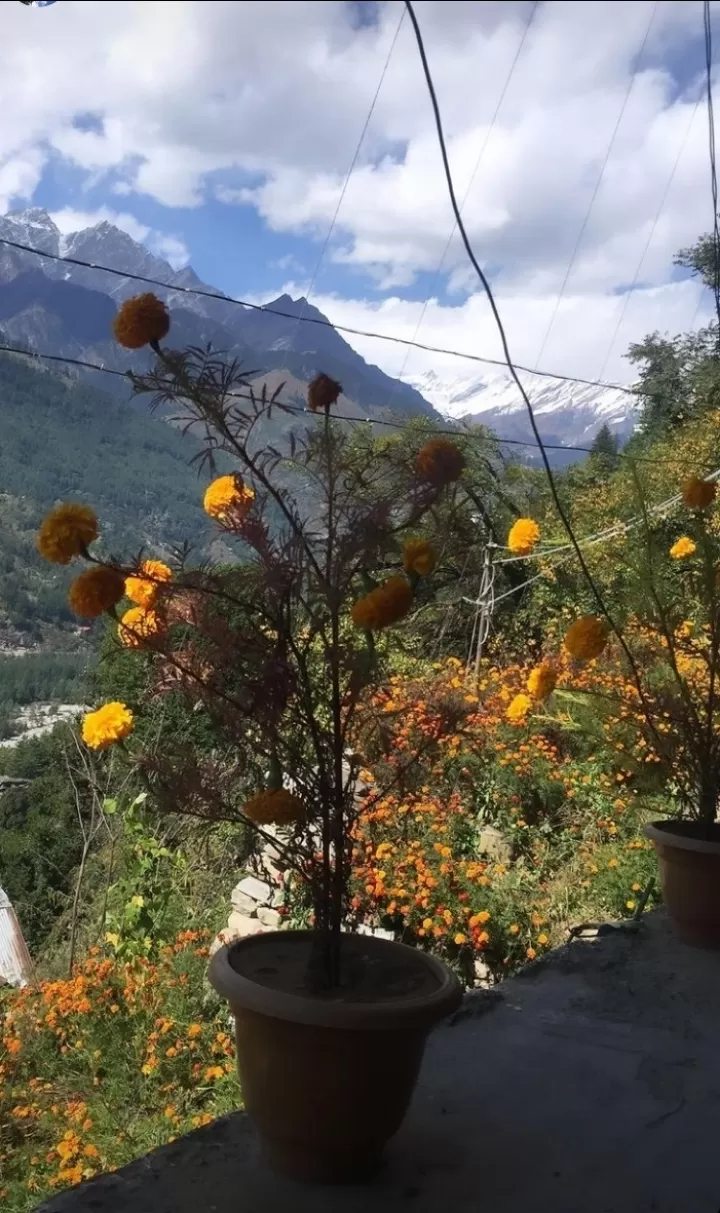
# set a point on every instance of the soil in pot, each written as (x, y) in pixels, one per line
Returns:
(689, 859)
(327, 1075)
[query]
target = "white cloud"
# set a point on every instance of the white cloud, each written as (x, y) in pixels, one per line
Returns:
(163, 244)
(68, 220)
(198, 97)
(589, 324)
(170, 248)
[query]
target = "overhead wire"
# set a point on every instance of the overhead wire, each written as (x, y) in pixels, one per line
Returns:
(562, 514)
(648, 242)
(321, 320)
(457, 432)
(598, 184)
(707, 30)
(353, 162)
(466, 195)
(562, 552)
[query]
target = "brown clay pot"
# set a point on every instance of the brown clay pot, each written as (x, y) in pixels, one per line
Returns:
(328, 1079)
(690, 878)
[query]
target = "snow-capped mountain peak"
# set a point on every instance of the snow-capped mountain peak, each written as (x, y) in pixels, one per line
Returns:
(570, 413)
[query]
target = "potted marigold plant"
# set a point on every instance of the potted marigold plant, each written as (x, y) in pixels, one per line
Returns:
(278, 648)
(670, 643)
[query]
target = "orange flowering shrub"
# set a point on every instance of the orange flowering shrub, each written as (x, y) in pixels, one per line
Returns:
(450, 759)
(98, 1069)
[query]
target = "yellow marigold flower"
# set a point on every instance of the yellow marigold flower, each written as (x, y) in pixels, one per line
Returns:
(419, 557)
(143, 320)
(698, 494)
(683, 547)
(144, 589)
(384, 605)
(543, 940)
(95, 591)
(518, 709)
(514, 929)
(67, 531)
(110, 723)
(460, 939)
(524, 537)
(322, 393)
(542, 681)
(586, 638)
(138, 625)
(439, 462)
(364, 612)
(274, 806)
(228, 499)
(194, 1030)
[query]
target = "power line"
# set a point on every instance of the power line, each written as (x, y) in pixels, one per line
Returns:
(707, 29)
(648, 242)
(596, 191)
(466, 195)
(596, 592)
(491, 438)
(341, 328)
(351, 169)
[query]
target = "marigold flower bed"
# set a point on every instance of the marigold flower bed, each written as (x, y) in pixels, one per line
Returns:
(100, 1068)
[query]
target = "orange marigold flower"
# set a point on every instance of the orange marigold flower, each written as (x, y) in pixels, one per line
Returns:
(439, 462)
(524, 537)
(419, 557)
(542, 681)
(518, 709)
(586, 638)
(194, 1030)
(143, 320)
(383, 606)
(274, 806)
(67, 531)
(228, 498)
(110, 723)
(698, 494)
(214, 1072)
(514, 929)
(138, 625)
(531, 953)
(143, 589)
(95, 591)
(322, 393)
(683, 547)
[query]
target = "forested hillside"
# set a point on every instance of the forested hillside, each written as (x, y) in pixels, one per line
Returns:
(65, 440)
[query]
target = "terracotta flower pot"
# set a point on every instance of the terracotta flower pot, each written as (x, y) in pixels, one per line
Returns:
(690, 878)
(328, 1079)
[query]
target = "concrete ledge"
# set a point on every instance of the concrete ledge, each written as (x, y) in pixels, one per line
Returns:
(589, 1085)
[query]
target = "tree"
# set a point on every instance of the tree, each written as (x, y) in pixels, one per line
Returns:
(679, 379)
(604, 450)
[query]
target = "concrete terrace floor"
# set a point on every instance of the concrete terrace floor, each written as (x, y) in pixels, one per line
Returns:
(591, 1084)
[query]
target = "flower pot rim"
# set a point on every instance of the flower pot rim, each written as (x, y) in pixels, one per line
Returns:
(667, 833)
(413, 1012)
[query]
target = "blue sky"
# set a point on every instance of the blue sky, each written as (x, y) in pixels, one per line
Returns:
(222, 131)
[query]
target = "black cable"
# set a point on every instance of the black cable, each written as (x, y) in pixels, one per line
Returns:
(596, 191)
(707, 26)
(508, 359)
(321, 320)
(395, 425)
